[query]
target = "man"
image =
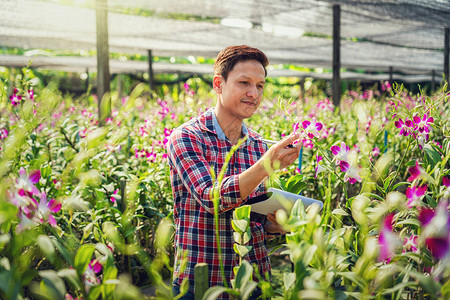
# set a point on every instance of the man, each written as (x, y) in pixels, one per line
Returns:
(201, 144)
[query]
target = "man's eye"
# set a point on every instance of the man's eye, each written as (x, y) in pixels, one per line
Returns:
(244, 82)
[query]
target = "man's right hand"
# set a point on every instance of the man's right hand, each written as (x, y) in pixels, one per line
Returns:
(280, 155)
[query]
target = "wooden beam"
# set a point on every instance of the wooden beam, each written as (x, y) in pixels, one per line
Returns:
(391, 76)
(433, 80)
(336, 82)
(446, 54)
(103, 76)
(151, 76)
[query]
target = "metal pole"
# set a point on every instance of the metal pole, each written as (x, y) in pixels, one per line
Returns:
(87, 80)
(446, 54)
(151, 81)
(336, 82)
(103, 76)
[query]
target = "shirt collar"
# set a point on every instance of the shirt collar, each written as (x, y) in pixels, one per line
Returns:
(219, 131)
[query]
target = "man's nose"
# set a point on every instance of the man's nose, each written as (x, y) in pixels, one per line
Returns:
(252, 92)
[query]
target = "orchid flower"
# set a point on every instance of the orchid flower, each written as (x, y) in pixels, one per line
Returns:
(446, 183)
(410, 244)
(414, 194)
(340, 153)
(27, 183)
(406, 127)
(351, 172)
(295, 127)
(15, 99)
(437, 229)
(90, 275)
(416, 171)
(388, 240)
(45, 209)
(422, 124)
(319, 168)
(312, 127)
(3, 134)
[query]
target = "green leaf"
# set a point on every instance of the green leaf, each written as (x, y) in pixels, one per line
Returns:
(243, 275)
(400, 184)
(241, 250)
(411, 221)
(242, 212)
(248, 289)
(47, 247)
(295, 184)
(240, 225)
(71, 276)
(55, 285)
(83, 258)
(289, 280)
(214, 292)
(431, 155)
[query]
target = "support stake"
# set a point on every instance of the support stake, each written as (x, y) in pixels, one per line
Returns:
(446, 54)
(336, 86)
(103, 77)
(151, 79)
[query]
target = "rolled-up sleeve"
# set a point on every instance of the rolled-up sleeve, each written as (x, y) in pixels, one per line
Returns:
(187, 157)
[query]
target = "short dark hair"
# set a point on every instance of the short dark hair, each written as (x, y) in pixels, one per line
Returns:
(228, 57)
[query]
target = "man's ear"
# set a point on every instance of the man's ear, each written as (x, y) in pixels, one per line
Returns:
(217, 83)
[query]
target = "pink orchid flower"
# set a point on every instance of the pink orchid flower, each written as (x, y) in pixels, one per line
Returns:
(14, 98)
(340, 153)
(319, 168)
(423, 124)
(446, 183)
(295, 127)
(351, 172)
(27, 183)
(112, 198)
(388, 241)
(410, 244)
(413, 194)
(45, 209)
(437, 229)
(416, 171)
(406, 127)
(90, 275)
(3, 134)
(312, 127)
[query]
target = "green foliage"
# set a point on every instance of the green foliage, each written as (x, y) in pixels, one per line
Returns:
(113, 185)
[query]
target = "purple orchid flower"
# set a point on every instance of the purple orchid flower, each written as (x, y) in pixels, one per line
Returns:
(446, 183)
(340, 153)
(410, 244)
(312, 127)
(319, 168)
(3, 133)
(351, 172)
(414, 194)
(27, 183)
(437, 229)
(14, 98)
(416, 171)
(406, 127)
(423, 124)
(387, 240)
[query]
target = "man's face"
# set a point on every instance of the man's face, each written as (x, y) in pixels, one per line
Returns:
(242, 92)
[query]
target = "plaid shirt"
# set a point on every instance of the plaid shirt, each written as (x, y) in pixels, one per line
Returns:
(193, 149)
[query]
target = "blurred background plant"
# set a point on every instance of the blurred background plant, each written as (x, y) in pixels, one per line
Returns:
(88, 207)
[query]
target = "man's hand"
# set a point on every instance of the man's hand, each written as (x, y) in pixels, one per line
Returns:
(272, 226)
(281, 155)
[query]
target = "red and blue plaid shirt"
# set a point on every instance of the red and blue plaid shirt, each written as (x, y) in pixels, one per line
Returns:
(193, 149)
